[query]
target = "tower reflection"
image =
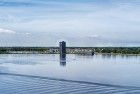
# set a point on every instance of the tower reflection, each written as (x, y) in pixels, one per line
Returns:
(62, 61)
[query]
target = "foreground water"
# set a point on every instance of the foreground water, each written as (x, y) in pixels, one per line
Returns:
(119, 70)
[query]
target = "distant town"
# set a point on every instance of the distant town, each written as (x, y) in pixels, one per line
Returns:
(69, 50)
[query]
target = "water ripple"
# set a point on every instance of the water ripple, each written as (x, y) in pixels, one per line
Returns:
(27, 84)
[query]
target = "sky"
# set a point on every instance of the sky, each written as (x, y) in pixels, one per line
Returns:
(83, 23)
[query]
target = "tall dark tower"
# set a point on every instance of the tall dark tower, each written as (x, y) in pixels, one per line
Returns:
(62, 49)
(62, 46)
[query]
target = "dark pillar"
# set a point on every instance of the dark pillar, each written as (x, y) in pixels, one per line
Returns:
(62, 48)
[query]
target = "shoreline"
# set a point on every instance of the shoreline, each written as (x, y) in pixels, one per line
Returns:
(79, 54)
(72, 50)
(117, 54)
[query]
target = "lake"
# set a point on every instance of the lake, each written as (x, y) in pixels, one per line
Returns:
(123, 70)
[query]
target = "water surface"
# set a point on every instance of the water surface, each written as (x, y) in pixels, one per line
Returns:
(121, 70)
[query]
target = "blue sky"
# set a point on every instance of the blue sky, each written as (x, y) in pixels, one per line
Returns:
(79, 22)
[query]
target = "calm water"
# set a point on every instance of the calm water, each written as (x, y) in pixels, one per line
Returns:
(105, 69)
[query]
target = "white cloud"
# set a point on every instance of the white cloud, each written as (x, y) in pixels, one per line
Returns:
(114, 21)
(6, 31)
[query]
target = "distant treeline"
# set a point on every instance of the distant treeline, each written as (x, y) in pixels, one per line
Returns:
(70, 50)
(119, 50)
(8, 50)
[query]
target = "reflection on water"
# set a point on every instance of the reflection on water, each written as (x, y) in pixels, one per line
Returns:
(3, 69)
(105, 68)
(63, 59)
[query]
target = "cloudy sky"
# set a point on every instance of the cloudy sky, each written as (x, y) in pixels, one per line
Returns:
(79, 22)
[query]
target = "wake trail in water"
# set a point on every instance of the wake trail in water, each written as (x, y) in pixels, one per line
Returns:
(72, 81)
(11, 83)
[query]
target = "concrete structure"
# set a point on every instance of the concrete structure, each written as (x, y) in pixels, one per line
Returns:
(62, 48)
